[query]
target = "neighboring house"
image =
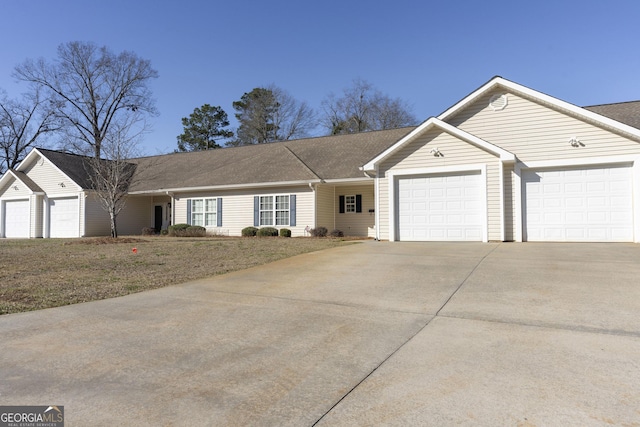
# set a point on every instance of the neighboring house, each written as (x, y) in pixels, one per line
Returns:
(505, 163)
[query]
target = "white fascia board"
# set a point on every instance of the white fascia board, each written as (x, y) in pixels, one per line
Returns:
(364, 179)
(435, 122)
(9, 174)
(225, 187)
(543, 98)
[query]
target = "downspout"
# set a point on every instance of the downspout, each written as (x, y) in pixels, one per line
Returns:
(315, 204)
(376, 204)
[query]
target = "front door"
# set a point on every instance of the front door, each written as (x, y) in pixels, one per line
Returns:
(157, 218)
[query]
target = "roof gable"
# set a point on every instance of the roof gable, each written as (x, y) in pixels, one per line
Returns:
(587, 115)
(435, 123)
(12, 176)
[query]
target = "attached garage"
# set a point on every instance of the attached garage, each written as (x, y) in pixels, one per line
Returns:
(16, 218)
(63, 217)
(441, 207)
(579, 204)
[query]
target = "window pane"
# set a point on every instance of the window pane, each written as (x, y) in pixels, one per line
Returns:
(350, 203)
(266, 203)
(210, 205)
(196, 219)
(282, 202)
(196, 205)
(282, 217)
(266, 218)
(210, 220)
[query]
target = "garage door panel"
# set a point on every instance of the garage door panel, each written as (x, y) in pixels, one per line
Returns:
(579, 204)
(16, 218)
(451, 209)
(63, 217)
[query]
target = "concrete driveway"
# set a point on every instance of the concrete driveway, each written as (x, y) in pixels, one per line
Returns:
(375, 333)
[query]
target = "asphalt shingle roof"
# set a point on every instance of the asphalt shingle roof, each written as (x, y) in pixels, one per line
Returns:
(624, 112)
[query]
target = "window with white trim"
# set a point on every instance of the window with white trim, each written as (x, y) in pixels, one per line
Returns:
(274, 207)
(350, 203)
(203, 212)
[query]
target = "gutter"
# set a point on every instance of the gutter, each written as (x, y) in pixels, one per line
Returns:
(226, 187)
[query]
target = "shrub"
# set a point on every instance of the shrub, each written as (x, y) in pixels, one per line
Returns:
(267, 232)
(319, 232)
(195, 231)
(285, 232)
(178, 229)
(337, 233)
(249, 231)
(164, 232)
(148, 231)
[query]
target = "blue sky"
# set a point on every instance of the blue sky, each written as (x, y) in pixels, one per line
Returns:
(429, 53)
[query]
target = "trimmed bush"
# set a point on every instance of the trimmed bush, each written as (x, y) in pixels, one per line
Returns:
(267, 232)
(186, 230)
(285, 232)
(319, 232)
(195, 231)
(249, 231)
(337, 233)
(164, 232)
(178, 229)
(148, 231)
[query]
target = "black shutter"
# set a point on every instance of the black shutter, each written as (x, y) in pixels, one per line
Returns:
(341, 204)
(358, 203)
(189, 211)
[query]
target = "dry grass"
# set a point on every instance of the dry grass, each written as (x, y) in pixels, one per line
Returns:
(36, 274)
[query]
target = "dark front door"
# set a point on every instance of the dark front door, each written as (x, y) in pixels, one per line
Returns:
(157, 221)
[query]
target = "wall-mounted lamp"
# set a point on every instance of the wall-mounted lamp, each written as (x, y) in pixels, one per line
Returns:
(15, 187)
(436, 152)
(62, 184)
(575, 142)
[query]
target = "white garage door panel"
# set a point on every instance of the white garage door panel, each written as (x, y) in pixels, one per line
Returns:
(63, 217)
(16, 218)
(581, 205)
(440, 207)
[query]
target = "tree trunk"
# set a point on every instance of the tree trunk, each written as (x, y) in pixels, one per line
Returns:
(114, 230)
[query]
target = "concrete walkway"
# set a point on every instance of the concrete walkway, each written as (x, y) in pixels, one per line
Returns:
(369, 334)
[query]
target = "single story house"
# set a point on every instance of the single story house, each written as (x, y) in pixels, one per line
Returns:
(506, 163)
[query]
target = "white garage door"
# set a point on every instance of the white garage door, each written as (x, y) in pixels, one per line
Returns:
(16, 218)
(63, 217)
(579, 205)
(440, 207)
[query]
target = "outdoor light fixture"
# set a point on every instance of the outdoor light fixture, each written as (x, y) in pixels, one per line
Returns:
(62, 184)
(575, 142)
(15, 187)
(436, 152)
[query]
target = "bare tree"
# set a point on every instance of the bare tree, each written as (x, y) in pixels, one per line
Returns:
(271, 114)
(111, 176)
(22, 124)
(361, 108)
(92, 88)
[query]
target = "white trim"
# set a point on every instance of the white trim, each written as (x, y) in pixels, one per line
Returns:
(363, 180)
(591, 161)
(376, 202)
(393, 174)
(434, 122)
(501, 186)
(224, 187)
(497, 82)
(517, 184)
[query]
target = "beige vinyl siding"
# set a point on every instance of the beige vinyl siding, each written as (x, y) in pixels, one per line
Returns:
(237, 208)
(417, 155)
(354, 223)
(537, 132)
(9, 191)
(96, 219)
(49, 179)
(326, 207)
(136, 215)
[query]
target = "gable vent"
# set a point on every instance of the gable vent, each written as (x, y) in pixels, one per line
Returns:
(498, 102)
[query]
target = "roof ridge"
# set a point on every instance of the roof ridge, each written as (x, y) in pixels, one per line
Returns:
(300, 160)
(611, 103)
